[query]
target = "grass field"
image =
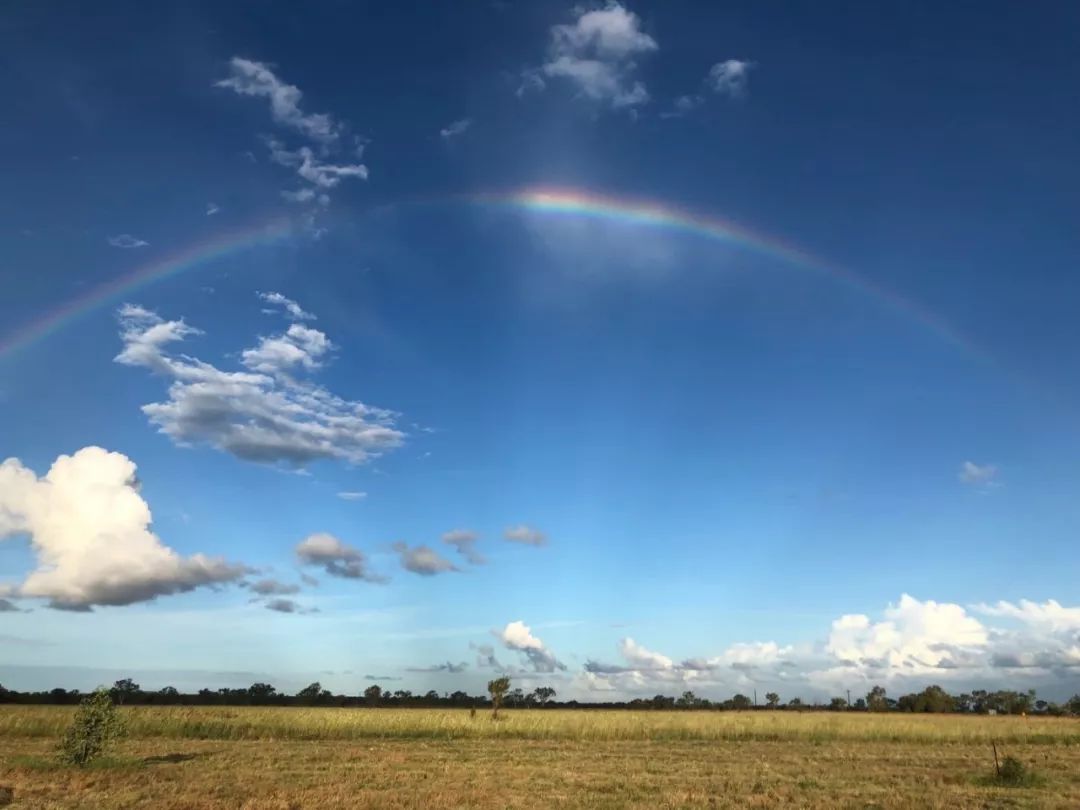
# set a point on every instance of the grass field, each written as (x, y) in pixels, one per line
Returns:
(198, 758)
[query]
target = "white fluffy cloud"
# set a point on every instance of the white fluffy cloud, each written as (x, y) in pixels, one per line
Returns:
(464, 540)
(729, 77)
(336, 558)
(262, 414)
(422, 560)
(526, 535)
(90, 531)
(453, 130)
(914, 643)
(518, 637)
(126, 240)
(250, 78)
(596, 53)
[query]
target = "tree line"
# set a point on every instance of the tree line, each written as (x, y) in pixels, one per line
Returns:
(933, 699)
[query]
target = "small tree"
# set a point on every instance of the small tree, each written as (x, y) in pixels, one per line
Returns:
(772, 700)
(372, 695)
(96, 726)
(543, 694)
(498, 689)
(124, 690)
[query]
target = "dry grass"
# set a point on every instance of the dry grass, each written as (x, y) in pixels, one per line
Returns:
(258, 759)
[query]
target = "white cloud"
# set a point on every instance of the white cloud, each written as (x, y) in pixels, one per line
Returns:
(596, 53)
(983, 476)
(90, 531)
(352, 495)
(915, 643)
(127, 241)
(291, 308)
(282, 605)
(640, 658)
(263, 414)
(250, 78)
(683, 105)
(422, 560)
(338, 559)
(525, 535)
(211, 209)
(464, 540)
(517, 636)
(309, 167)
(729, 77)
(455, 129)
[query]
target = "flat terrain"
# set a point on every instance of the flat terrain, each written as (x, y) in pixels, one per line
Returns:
(197, 758)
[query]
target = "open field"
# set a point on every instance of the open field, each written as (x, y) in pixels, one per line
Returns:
(198, 758)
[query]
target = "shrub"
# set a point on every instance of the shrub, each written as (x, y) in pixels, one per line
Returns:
(97, 724)
(1014, 773)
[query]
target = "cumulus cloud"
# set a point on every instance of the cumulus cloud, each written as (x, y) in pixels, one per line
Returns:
(352, 496)
(126, 240)
(251, 78)
(7, 606)
(422, 560)
(261, 414)
(485, 657)
(525, 535)
(89, 529)
(913, 644)
(982, 476)
(464, 540)
(729, 77)
(279, 303)
(320, 174)
(272, 587)
(448, 667)
(597, 54)
(336, 558)
(453, 130)
(518, 637)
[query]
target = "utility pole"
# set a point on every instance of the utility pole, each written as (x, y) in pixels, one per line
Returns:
(849, 698)
(755, 697)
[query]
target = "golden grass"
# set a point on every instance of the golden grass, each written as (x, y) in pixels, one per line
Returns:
(242, 723)
(391, 759)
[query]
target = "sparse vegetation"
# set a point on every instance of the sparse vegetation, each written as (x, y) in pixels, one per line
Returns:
(498, 688)
(199, 758)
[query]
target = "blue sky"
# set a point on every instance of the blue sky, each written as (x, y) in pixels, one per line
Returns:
(415, 422)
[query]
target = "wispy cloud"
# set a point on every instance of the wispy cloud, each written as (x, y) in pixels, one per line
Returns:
(127, 241)
(982, 476)
(211, 209)
(526, 535)
(349, 495)
(457, 128)
(729, 78)
(464, 540)
(250, 78)
(287, 305)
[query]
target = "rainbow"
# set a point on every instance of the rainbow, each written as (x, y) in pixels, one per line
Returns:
(203, 252)
(567, 202)
(571, 202)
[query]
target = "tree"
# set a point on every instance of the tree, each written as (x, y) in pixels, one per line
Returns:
(497, 689)
(837, 704)
(876, 701)
(772, 700)
(543, 694)
(687, 701)
(96, 725)
(795, 703)
(1072, 705)
(124, 689)
(515, 697)
(740, 702)
(310, 694)
(373, 694)
(259, 693)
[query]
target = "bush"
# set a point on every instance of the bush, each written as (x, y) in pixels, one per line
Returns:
(1014, 773)
(96, 726)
